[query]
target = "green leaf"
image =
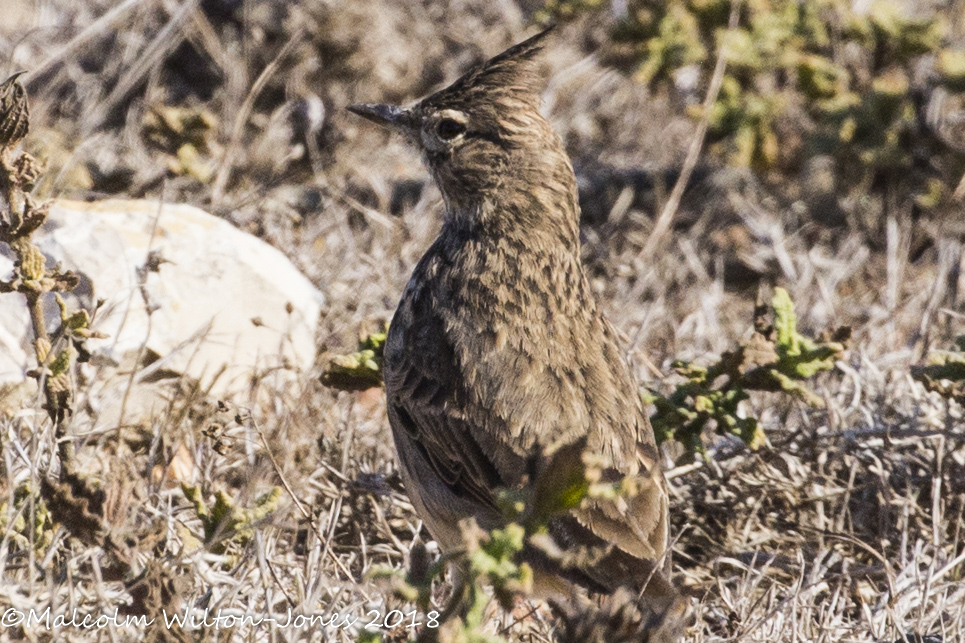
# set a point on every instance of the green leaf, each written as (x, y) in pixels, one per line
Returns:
(560, 486)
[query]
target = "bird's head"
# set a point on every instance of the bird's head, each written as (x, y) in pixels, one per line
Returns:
(483, 132)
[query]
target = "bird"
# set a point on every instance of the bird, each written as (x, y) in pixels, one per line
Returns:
(14, 112)
(499, 354)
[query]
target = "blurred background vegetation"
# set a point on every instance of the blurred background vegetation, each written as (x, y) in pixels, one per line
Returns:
(841, 122)
(869, 89)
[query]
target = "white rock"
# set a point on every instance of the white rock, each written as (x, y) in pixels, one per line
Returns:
(216, 280)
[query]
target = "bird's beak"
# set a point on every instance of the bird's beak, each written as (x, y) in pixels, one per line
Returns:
(391, 116)
(14, 77)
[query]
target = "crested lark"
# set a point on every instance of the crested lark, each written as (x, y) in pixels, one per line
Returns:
(498, 353)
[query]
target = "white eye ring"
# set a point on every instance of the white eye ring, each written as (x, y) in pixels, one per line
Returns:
(444, 127)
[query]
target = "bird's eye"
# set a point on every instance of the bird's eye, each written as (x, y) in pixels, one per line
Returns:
(450, 128)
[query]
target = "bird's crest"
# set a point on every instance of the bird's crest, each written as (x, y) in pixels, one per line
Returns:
(513, 72)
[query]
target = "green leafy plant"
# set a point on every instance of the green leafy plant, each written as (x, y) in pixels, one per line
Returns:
(802, 78)
(23, 528)
(224, 522)
(493, 559)
(360, 370)
(944, 372)
(20, 216)
(776, 358)
(71, 501)
(187, 135)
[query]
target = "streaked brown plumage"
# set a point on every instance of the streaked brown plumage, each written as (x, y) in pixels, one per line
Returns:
(498, 353)
(14, 113)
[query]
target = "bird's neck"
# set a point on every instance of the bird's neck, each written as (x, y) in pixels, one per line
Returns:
(520, 251)
(536, 206)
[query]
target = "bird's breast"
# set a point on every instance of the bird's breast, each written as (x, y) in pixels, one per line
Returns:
(522, 348)
(529, 340)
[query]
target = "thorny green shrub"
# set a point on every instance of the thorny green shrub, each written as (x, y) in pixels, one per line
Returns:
(24, 531)
(187, 135)
(776, 358)
(224, 522)
(944, 372)
(492, 559)
(360, 370)
(488, 559)
(802, 78)
(69, 501)
(20, 217)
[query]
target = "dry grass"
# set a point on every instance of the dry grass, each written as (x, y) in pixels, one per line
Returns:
(846, 527)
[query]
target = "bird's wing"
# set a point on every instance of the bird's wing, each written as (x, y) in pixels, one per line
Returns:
(423, 387)
(635, 523)
(594, 562)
